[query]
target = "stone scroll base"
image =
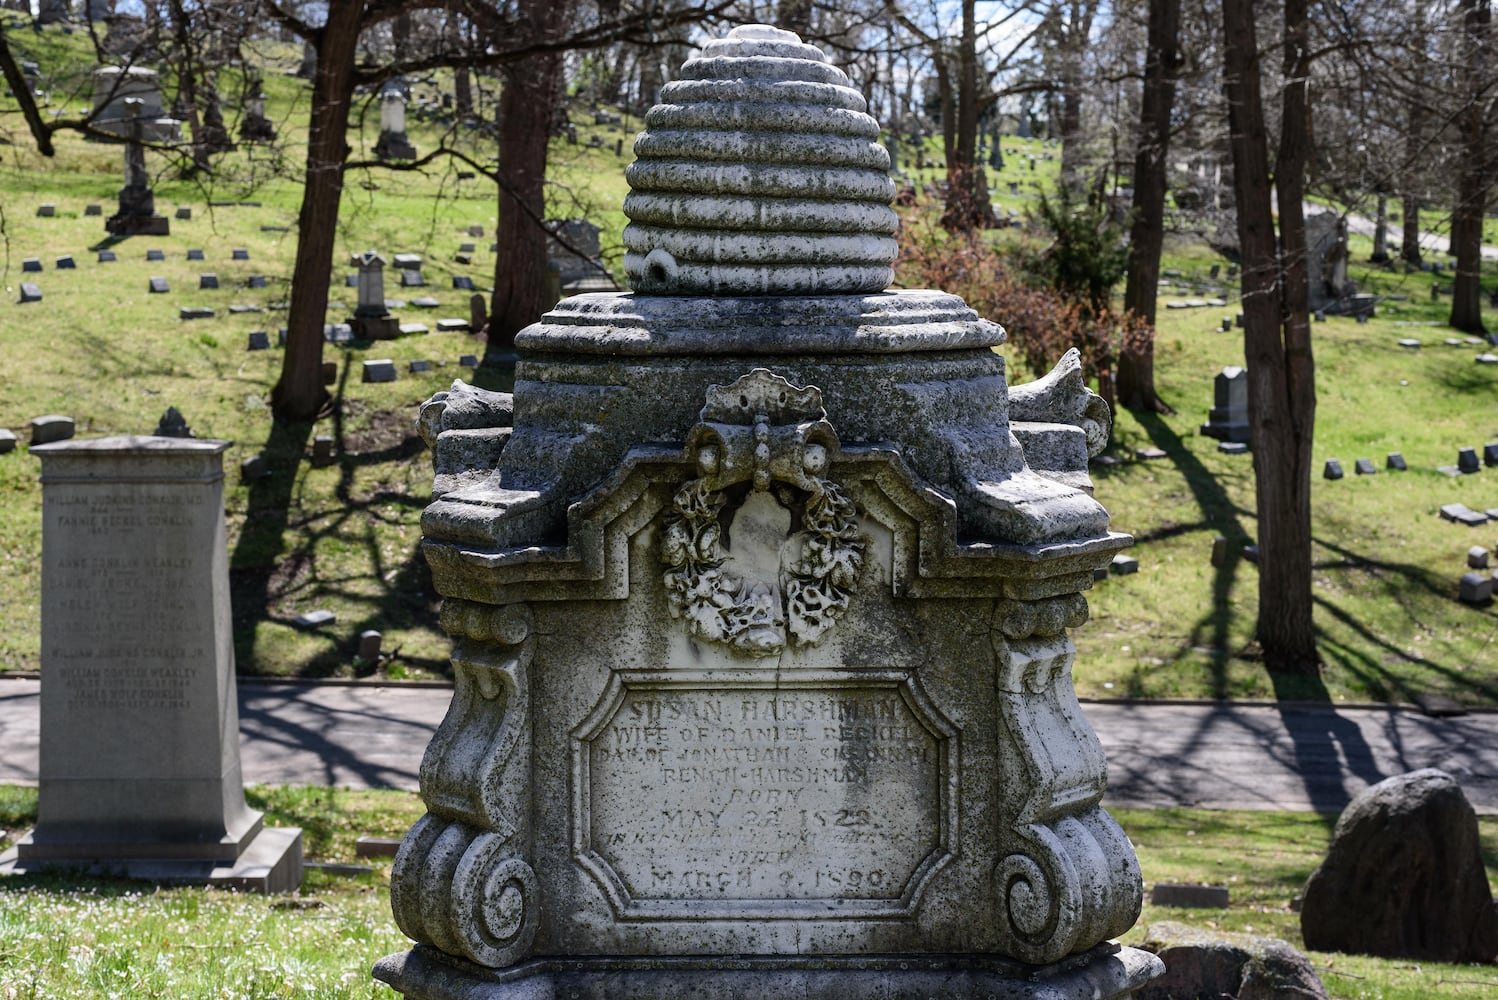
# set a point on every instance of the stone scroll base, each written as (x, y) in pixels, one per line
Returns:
(1104, 973)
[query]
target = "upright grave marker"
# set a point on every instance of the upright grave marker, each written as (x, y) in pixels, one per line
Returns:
(137, 212)
(763, 676)
(139, 722)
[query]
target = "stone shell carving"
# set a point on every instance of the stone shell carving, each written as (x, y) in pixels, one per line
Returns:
(759, 173)
(763, 429)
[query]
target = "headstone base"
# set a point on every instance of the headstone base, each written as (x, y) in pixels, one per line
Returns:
(375, 327)
(138, 225)
(1104, 973)
(270, 862)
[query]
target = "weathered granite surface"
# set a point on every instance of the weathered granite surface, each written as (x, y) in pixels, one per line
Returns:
(760, 611)
(139, 725)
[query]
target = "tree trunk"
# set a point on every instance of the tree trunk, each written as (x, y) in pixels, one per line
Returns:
(1381, 232)
(299, 394)
(1472, 186)
(967, 183)
(520, 282)
(1136, 357)
(1409, 247)
(1281, 389)
(187, 92)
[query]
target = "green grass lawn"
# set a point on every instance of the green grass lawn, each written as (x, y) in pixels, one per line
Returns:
(99, 938)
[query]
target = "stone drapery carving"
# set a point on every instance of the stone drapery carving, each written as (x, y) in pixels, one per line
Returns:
(773, 435)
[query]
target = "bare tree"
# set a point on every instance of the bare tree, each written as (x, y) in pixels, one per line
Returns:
(1475, 176)
(1277, 343)
(1162, 60)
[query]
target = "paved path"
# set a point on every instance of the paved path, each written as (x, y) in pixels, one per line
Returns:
(1212, 756)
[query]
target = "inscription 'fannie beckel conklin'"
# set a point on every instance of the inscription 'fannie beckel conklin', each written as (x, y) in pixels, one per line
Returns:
(760, 586)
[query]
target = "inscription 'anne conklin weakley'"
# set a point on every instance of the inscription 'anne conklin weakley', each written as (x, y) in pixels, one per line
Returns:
(764, 795)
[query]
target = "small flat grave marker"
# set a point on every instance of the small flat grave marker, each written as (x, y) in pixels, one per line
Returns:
(1107, 460)
(207, 281)
(197, 312)
(1146, 454)
(256, 281)
(30, 292)
(66, 263)
(184, 212)
(1466, 460)
(1195, 897)
(107, 257)
(152, 255)
(1233, 447)
(1332, 469)
(467, 248)
(1475, 588)
(452, 325)
(1409, 342)
(351, 281)
(379, 370)
(393, 304)
(1490, 454)
(376, 847)
(315, 619)
(252, 468)
(259, 340)
(420, 366)
(1477, 557)
(46, 211)
(52, 427)
(463, 282)
(275, 229)
(412, 279)
(158, 286)
(468, 361)
(1222, 551)
(1460, 513)
(1227, 323)
(322, 450)
(1487, 359)
(412, 328)
(1123, 565)
(1395, 462)
(1364, 467)
(93, 210)
(477, 232)
(425, 303)
(7, 440)
(463, 258)
(239, 253)
(1453, 342)
(407, 261)
(31, 265)
(195, 255)
(338, 333)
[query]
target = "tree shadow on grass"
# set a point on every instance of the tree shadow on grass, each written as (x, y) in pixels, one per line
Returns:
(1219, 511)
(264, 573)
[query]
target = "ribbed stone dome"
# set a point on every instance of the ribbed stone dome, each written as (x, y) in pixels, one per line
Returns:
(759, 174)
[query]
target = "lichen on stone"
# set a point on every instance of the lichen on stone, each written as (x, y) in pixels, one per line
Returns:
(759, 173)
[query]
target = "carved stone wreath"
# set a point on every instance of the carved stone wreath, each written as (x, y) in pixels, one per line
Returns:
(763, 430)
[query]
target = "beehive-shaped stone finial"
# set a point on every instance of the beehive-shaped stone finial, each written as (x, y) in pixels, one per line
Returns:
(759, 173)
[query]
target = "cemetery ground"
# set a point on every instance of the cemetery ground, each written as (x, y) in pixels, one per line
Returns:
(344, 537)
(72, 937)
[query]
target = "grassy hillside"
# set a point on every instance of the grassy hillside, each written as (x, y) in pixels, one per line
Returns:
(103, 350)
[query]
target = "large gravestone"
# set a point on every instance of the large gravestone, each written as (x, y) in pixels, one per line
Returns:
(1326, 262)
(139, 721)
(114, 85)
(137, 212)
(763, 680)
(1228, 418)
